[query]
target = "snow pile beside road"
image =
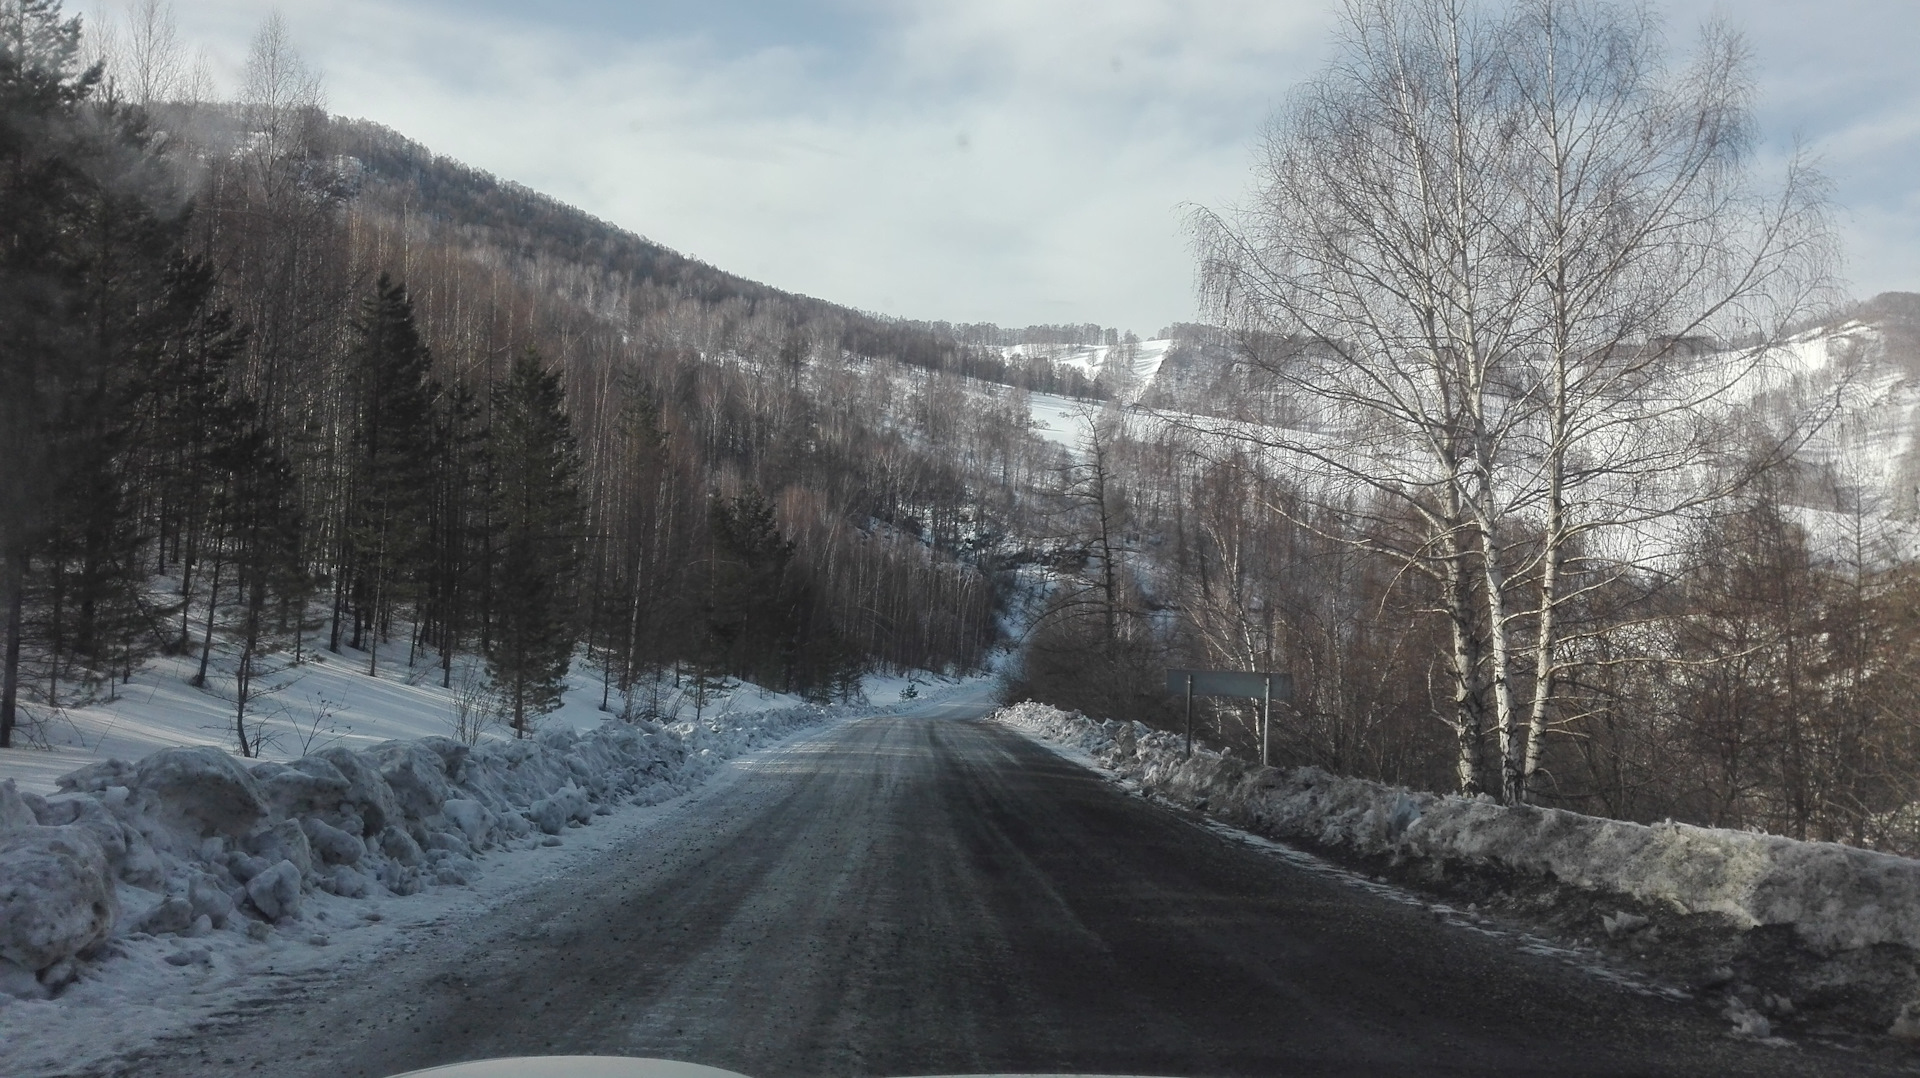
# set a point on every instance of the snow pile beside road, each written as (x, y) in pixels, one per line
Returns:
(1835, 898)
(191, 842)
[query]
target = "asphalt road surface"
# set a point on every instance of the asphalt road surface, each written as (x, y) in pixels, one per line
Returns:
(932, 895)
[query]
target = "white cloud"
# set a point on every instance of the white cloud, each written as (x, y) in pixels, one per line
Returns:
(1839, 77)
(1004, 160)
(1010, 162)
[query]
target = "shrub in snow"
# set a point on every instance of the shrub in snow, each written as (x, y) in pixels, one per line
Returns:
(56, 894)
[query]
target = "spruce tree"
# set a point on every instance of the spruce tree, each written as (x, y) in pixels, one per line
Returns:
(83, 260)
(387, 554)
(457, 527)
(536, 517)
(757, 605)
(262, 518)
(41, 191)
(186, 402)
(121, 256)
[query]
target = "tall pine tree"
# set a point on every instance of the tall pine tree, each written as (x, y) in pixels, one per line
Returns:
(458, 526)
(386, 555)
(537, 519)
(763, 621)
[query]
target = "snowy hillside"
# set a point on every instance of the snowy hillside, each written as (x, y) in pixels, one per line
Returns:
(1128, 368)
(1060, 420)
(1869, 442)
(1846, 394)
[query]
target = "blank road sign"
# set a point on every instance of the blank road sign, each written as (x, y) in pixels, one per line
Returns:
(1229, 683)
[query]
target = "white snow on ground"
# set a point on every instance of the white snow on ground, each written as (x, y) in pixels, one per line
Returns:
(1130, 374)
(329, 700)
(522, 813)
(1835, 898)
(1061, 420)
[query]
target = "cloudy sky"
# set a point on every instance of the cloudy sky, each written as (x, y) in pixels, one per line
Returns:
(1014, 161)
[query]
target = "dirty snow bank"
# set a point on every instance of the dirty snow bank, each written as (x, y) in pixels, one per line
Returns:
(191, 842)
(1834, 898)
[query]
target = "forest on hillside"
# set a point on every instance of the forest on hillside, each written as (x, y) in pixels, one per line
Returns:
(275, 382)
(1532, 443)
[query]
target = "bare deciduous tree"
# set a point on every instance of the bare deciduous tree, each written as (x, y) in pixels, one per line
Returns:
(1488, 240)
(149, 64)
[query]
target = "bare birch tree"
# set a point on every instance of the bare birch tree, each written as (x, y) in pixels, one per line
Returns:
(1495, 237)
(143, 52)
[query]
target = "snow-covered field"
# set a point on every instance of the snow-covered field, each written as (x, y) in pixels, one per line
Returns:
(1129, 370)
(152, 893)
(1061, 420)
(329, 700)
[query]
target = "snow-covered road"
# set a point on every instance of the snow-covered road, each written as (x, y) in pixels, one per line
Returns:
(916, 893)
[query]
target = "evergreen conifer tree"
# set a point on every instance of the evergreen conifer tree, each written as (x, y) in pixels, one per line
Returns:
(120, 257)
(758, 607)
(537, 519)
(263, 520)
(41, 191)
(184, 399)
(457, 524)
(387, 538)
(83, 260)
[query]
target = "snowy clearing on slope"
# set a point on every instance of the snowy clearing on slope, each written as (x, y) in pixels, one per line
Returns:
(1129, 369)
(1845, 397)
(1061, 420)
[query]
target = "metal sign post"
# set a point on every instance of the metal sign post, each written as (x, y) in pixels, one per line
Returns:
(1264, 686)
(1189, 714)
(1266, 725)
